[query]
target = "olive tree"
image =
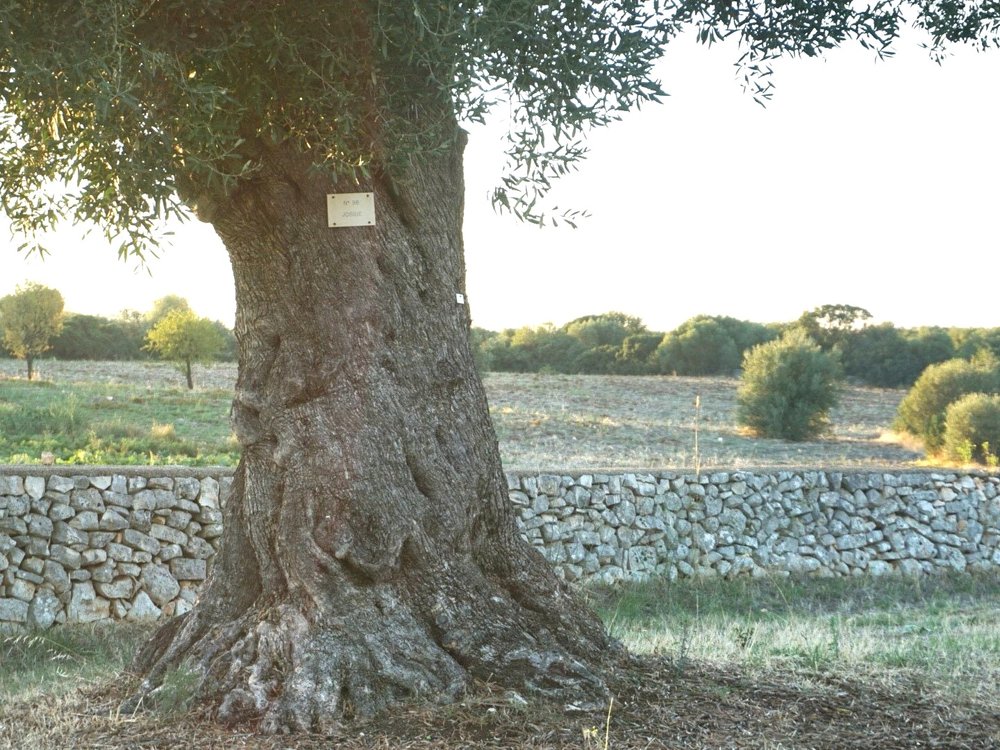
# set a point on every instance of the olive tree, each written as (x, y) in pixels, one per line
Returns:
(371, 554)
(183, 337)
(29, 319)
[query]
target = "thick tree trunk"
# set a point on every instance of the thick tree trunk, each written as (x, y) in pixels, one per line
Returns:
(31, 366)
(187, 374)
(370, 553)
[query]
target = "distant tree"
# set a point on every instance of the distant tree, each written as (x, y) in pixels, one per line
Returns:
(496, 354)
(699, 346)
(828, 325)
(968, 341)
(87, 337)
(880, 356)
(478, 337)
(600, 360)
(635, 357)
(930, 345)
(134, 326)
(30, 318)
(747, 334)
(227, 353)
(183, 337)
(788, 388)
(165, 305)
(606, 329)
(546, 348)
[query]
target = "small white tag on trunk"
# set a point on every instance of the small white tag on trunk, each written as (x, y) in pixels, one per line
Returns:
(460, 298)
(350, 209)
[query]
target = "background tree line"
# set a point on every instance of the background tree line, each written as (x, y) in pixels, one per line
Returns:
(614, 343)
(608, 343)
(70, 335)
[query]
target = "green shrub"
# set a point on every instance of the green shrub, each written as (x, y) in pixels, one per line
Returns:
(788, 388)
(700, 346)
(972, 429)
(922, 412)
(606, 329)
(636, 352)
(880, 356)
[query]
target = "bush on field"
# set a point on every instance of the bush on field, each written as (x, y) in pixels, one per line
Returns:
(972, 429)
(788, 388)
(922, 413)
(700, 346)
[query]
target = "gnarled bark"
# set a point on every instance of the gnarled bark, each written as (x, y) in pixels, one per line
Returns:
(370, 553)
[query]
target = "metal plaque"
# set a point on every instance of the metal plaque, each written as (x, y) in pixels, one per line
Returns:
(350, 209)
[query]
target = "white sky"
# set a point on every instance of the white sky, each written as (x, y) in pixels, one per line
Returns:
(863, 183)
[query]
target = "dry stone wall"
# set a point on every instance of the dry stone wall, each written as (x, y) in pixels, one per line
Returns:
(611, 527)
(136, 544)
(97, 546)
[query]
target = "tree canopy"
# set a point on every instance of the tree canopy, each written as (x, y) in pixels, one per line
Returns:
(29, 319)
(123, 112)
(183, 337)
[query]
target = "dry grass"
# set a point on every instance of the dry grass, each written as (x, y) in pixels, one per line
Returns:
(586, 421)
(581, 421)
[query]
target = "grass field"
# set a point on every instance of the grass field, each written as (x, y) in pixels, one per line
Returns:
(139, 412)
(886, 662)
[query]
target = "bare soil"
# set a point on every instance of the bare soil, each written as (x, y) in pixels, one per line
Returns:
(592, 421)
(658, 703)
(584, 421)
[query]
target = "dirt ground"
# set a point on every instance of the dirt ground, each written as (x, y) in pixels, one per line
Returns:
(657, 703)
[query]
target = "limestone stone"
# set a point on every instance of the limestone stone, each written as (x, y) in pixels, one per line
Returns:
(157, 581)
(104, 572)
(169, 552)
(87, 520)
(13, 526)
(22, 589)
(43, 610)
(143, 608)
(101, 539)
(34, 486)
(119, 552)
(209, 494)
(88, 499)
(11, 485)
(145, 500)
(60, 512)
(13, 610)
(100, 482)
(140, 520)
(91, 557)
(121, 587)
(113, 521)
(199, 549)
(65, 556)
(139, 541)
(187, 488)
(60, 484)
(879, 568)
(56, 576)
(85, 605)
